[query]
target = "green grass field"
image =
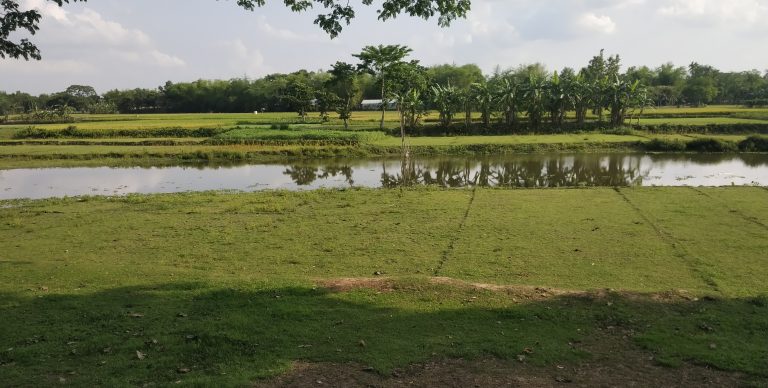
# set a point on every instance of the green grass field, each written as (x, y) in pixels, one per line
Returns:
(224, 288)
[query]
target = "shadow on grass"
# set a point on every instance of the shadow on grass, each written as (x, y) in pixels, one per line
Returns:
(202, 335)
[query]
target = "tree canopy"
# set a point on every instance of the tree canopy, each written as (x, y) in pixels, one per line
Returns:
(337, 14)
(340, 11)
(12, 18)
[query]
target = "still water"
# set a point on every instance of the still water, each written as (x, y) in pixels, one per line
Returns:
(556, 170)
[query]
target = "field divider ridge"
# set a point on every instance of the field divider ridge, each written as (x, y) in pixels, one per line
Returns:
(693, 263)
(731, 210)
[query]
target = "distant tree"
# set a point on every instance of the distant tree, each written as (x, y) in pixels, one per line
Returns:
(484, 100)
(379, 61)
(459, 77)
(581, 94)
(326, 101)
(557, 99)
(701, 86)
(447, 99)
(300, 96)
(534, 99)
(345, 84)
(598, 74)
(509, 98)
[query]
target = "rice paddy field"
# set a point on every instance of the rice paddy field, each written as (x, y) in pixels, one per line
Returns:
(141, 138)
(424, 286)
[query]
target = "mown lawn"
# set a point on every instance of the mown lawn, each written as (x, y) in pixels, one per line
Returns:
(225, 288)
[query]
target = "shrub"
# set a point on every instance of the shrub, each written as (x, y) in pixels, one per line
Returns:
(754, 144)
(663, 145)
(711, 145)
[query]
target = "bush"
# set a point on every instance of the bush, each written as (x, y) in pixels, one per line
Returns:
(74, 132)
(710, 128)
(711, 145)
(754, 144)
(663, 145)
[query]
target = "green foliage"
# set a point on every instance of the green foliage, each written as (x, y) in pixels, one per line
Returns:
(74, 132)
(13, 19)
(341, 12)
(711, 145)
(665, 145)
(295, 136)
(754, 144)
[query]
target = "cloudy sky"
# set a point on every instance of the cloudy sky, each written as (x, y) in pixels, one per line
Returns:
(143, 43)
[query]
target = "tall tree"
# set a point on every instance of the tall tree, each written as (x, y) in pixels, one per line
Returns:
(408, 83)
(300, 96)
(344, 82)
(379, 61)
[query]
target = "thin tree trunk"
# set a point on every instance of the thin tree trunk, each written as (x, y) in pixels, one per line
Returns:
(383, 104)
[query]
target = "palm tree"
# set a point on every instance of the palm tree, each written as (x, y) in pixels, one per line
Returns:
(378, 60)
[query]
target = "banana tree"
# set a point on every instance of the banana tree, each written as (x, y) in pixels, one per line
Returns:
(410, 107)
(508, 98)
(534, 99)
(557, 99)
(620, 95)
(483, 97)
(580, 92)
(447, 100)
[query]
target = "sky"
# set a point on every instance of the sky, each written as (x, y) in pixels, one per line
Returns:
(119, 44)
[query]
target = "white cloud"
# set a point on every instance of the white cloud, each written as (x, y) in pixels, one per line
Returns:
(286, 34)
(88, 30)
(742, 11)
(484, 20)
(602, 24)
(243, 59)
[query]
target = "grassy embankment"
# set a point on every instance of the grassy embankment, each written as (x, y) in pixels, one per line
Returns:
(217, 288)
(118, 139)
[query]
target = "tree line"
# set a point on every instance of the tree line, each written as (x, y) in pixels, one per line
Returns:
(528, 93)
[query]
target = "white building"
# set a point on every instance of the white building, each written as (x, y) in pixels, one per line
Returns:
(376, 105)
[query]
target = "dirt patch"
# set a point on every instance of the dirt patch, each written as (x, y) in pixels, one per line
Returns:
(616, 363)
(521, 292)
(381, 284)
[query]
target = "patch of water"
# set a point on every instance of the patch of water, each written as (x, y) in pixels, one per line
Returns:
(556, 170)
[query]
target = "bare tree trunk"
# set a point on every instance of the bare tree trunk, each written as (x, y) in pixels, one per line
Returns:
(383, 104)
(468, 116)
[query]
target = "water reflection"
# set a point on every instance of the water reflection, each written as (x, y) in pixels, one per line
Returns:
(557, 170)
(304, 175)
(530, 172)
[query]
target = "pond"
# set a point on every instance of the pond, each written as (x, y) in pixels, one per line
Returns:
(530, 171)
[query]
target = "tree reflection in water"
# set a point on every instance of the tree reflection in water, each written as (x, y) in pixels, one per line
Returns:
(306, 175)
(565, 171)
(511, 171)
